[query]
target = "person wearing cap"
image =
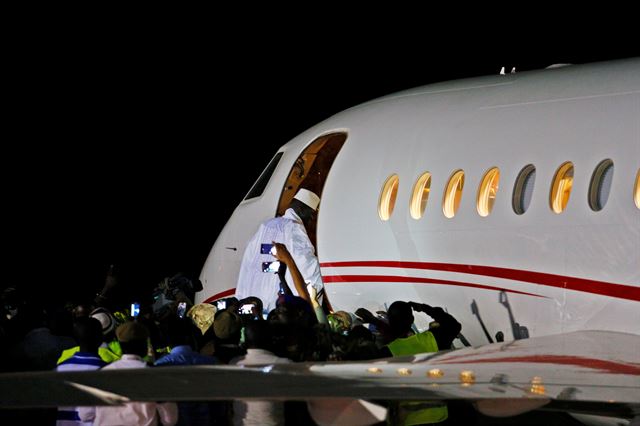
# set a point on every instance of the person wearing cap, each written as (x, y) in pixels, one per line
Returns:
(290, 230)
(109, 350)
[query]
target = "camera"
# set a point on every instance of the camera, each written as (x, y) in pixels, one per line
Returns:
(270, 266)
(169, 290)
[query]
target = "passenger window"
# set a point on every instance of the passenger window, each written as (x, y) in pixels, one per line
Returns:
(523, 189)
(636, 190)
(453, 194)
(487, 191)
(388, 197)
(258, 188)
(561, 187)
(420, 195)
(600, 185)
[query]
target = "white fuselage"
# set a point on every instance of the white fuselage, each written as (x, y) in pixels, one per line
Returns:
(579, 269)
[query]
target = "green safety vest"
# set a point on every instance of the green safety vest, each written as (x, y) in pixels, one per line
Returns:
(412, 412)
(104, 353)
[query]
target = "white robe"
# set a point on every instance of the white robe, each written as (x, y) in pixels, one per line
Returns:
(289, 230)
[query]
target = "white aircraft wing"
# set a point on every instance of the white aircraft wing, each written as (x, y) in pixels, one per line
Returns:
(592, 372)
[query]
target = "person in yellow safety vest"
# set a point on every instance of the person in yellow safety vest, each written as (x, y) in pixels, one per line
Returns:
(109, 350)
(440, 336)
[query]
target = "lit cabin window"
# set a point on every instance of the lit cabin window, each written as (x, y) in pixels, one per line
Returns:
(600, 185)
(636, 190)
(420, 195)
(523, 189)
(453, 194)
(388, 197)
(487, 191)
(561, 188)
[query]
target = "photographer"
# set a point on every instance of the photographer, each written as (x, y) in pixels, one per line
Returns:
(172, 291)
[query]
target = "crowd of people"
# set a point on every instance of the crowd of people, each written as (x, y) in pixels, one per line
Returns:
(284, 325)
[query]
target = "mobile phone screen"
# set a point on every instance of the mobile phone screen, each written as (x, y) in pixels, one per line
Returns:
(266, 248)
(135, 309)
(270, 266)
(246, 309)
(182, 309)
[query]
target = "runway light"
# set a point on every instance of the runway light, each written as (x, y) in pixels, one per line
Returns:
(536, 386)
(374, 370)
(404, 371)
(435, 373)
(467, 377)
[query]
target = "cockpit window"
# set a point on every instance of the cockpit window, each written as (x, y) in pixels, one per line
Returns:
(261, 183)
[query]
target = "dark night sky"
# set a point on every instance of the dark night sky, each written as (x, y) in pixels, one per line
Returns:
(115, 155)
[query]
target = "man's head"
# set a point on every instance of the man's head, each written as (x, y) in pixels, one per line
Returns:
(401, 318)
(257, 335)
(227, 326)
(88, 333)
(133, 336)
(305, 204)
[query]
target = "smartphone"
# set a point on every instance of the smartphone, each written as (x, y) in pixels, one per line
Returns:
(221, 304)
(268, 249)
(182, 309)
(246, 309)
(270, 266)
(135, 309)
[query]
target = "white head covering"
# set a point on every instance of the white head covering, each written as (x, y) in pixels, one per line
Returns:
(107, 321)
(308, 198)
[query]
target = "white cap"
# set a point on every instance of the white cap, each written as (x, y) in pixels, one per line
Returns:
(308, 198)
(107, 321)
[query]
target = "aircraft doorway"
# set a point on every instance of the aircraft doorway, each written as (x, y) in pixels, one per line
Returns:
(310, 171)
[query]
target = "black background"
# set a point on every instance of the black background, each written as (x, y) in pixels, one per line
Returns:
(135, 152)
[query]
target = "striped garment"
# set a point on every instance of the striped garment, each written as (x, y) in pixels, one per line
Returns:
(80, 361)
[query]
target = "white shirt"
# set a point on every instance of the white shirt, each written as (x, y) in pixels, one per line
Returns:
(252, 412)
(131, 413)
(289, 230)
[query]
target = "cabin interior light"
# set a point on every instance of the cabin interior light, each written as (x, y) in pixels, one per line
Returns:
(420, 195)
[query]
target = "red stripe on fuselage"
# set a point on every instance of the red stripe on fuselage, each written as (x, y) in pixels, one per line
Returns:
(620, 291)
(401, 279)
(220, 295)
(593, 363)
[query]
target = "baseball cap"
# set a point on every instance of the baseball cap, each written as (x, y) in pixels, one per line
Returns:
(107, 321)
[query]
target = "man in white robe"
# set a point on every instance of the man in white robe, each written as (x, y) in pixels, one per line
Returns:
(288, 229)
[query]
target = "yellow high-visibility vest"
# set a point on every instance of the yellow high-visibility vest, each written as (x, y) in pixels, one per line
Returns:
(104, 353)
(412, 413)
